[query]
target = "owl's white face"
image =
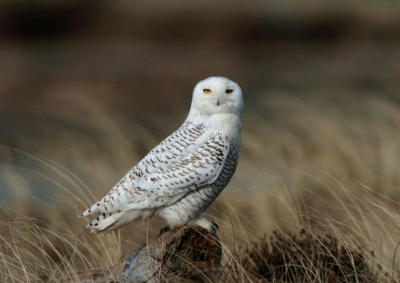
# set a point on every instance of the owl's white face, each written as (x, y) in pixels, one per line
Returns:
(216, 95)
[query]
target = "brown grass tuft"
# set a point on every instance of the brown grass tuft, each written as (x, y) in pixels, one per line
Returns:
(307, 258)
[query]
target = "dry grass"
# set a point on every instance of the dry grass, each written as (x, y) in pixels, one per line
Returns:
(322, 165)
(320, 145)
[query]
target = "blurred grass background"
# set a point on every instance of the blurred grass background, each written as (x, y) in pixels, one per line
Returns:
(89, 87)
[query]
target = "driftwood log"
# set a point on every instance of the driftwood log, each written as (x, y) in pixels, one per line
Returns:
(188, 254)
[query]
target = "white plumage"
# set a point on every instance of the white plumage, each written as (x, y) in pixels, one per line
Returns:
(182, 176)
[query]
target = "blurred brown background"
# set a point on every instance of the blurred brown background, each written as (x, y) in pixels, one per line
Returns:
(94, 85)
(87, 88)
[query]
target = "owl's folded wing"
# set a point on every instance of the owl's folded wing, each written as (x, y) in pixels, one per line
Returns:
(197, 169)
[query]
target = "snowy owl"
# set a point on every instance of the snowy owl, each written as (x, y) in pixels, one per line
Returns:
(182, 176)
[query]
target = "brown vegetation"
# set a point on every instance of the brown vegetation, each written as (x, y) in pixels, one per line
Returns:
(81, 103)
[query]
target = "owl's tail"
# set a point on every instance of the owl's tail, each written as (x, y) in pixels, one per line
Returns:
(105, 222)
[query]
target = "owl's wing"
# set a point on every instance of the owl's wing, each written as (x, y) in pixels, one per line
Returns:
(168, 152)
(196, 169)
(160, 159)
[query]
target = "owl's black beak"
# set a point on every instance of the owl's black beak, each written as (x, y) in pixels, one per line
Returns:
(218, 102)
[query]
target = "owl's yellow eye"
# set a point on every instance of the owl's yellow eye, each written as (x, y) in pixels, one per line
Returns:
(207, 90)
(228, 91)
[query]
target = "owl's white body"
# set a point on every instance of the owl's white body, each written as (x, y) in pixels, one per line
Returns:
(183, 175)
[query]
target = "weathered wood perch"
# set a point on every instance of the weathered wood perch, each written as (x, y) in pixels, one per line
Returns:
(187, 254)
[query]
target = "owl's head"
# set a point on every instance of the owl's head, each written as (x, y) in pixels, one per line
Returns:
(216, 95)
